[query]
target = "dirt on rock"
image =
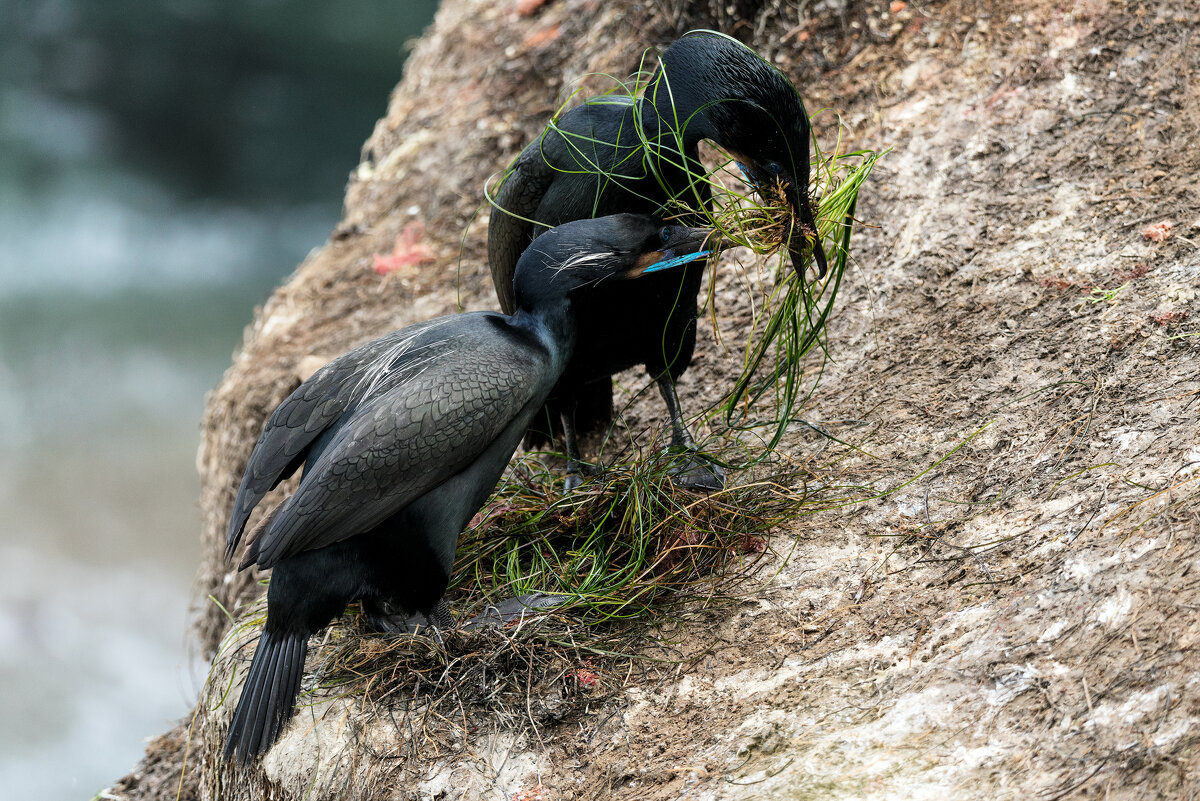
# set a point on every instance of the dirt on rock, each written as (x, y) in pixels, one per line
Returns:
(1007, 605)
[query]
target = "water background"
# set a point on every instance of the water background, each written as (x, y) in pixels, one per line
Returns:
(163, 165)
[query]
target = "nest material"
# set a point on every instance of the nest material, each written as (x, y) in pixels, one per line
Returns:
(443, 692)
(763, 224)
(763, 221)
(627, 543)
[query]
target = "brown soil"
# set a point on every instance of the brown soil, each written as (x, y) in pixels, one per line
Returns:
(1019, 621)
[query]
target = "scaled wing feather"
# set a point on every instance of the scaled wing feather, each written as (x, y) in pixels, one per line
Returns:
(421, 425)
(315, 406)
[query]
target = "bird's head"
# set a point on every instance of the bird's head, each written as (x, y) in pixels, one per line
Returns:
(721, 90)
(583, 253)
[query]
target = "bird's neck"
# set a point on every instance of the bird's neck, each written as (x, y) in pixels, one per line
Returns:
(673, 129)
(551, 325)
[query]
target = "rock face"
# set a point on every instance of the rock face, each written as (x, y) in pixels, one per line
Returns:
(1012, 609)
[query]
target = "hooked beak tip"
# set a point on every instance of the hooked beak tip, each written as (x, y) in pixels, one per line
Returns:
(819, 255)
(802, 213)
(798, 258)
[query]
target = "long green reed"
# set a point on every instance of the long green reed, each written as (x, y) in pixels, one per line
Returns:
(789, 320)
(627, 543)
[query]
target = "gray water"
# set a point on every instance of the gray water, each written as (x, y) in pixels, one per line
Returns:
(135, 241)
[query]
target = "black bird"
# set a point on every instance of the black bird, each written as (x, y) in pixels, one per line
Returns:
(402, 440)
(621, 154)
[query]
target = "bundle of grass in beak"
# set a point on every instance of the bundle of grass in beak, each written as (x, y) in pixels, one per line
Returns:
(789, 319)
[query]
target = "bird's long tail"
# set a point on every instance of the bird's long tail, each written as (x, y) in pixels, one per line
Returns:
(268, 695)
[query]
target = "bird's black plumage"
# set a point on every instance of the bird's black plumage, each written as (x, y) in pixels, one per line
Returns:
(402, 440)
(620, 154)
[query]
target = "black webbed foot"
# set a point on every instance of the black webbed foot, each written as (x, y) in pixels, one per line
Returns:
(577, 471)
(690, 469)
(513, 609)
(382, 618)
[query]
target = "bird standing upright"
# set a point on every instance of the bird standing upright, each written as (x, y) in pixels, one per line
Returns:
(622, 154)
(402, 440)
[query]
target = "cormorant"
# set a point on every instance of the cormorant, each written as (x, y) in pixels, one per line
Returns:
(402, 440)
(621, 154)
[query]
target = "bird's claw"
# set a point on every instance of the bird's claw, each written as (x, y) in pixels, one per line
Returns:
(406, 625)
(382, 618)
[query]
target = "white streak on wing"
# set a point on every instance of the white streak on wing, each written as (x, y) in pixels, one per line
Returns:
(412, 368)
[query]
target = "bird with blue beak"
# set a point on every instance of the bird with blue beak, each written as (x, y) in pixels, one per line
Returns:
(401, 442)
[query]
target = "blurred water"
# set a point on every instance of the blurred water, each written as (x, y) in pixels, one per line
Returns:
(155, 184)
(102, 379)
(115, 319)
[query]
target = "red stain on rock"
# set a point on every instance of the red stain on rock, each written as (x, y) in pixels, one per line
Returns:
(408, 251)
(1169, 318)
(1157, 232)
(585, 677)
(527, 7)
(544, 36)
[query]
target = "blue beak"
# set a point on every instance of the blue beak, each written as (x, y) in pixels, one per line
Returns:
(675, 261)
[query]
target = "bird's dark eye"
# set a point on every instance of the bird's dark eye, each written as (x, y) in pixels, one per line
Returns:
(665, 234)
(774, 167)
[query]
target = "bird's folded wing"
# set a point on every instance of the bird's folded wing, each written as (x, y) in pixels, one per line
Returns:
(510, 228)
(409, 435)
(567, 173)
(318, 404)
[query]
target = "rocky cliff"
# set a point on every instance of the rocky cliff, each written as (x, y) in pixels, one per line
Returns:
(1014, 389)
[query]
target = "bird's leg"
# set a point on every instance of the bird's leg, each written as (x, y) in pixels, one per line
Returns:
(680, 437)
(440, 616)
(576, 467)
(692, 471)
